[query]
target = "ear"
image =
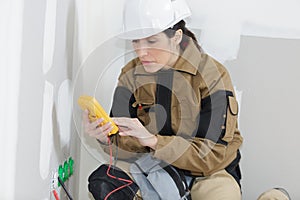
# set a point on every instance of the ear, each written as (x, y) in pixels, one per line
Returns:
(178, 36)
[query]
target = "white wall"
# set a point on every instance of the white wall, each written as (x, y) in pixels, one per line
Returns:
(100, 62)
(37, 135)
(10, 65)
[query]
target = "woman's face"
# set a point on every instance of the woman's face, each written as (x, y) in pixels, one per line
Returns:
(157, 51)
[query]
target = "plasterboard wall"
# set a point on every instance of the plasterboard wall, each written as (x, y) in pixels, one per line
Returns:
(267, 72)
(45, 134)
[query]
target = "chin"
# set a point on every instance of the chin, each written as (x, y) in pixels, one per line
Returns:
(150, 70)
(153, 68)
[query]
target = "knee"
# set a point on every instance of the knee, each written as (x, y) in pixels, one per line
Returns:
(220, 185)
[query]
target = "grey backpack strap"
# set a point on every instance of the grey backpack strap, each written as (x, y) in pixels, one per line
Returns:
(146, 189)
(153, 180)
(163, 184)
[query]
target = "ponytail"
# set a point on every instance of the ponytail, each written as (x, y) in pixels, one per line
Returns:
(187, 34)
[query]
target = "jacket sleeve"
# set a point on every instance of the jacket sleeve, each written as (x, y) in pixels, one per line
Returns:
(214, 144)
(128, 147)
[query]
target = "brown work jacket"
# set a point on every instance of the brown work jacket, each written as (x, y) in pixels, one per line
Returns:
(203, 113)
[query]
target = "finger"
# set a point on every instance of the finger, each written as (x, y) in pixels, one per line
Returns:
(107, 126)
(88, 126)
(117, 120)
(100, 132)
(97, 122)
(124, 133)
(123, 128)
(92, 127)
(124, 122)
(105, 133)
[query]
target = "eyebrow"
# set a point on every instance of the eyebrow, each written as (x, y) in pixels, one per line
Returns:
(153, 37)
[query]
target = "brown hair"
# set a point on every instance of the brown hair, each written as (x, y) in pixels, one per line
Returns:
(187, 34)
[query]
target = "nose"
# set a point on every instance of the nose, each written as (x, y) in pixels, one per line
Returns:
(142, 51)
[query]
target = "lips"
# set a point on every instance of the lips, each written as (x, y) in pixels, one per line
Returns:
(147, 62)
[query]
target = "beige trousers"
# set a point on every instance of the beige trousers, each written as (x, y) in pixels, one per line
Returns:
(219, 186)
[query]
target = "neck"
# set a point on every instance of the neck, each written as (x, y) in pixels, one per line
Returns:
(174, 57)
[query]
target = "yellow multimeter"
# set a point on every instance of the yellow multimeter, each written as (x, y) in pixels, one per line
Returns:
(96, 111)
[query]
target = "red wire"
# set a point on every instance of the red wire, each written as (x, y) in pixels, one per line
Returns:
(129, 182)
(55, 194)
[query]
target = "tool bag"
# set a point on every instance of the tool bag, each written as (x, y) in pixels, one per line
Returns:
(159, 181)
(100, 185)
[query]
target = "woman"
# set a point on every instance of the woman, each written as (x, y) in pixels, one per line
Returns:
(175, 101)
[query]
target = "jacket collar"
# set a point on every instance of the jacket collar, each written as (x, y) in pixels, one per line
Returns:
(188, 61)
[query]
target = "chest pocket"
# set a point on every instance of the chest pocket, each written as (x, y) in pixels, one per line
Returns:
(146, 115)
(144, 101)
(142, 109)
(153, 102)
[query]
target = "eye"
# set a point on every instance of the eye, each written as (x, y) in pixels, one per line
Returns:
(151, 41)
(134, 41)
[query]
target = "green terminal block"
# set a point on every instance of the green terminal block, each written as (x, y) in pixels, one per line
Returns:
(71, 166)
(66, 170)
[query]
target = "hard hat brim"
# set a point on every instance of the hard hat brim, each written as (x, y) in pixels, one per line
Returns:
(139, 34)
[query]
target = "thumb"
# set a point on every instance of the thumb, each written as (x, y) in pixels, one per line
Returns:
(124, 133)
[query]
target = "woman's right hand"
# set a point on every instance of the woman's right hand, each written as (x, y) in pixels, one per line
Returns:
(94, 130)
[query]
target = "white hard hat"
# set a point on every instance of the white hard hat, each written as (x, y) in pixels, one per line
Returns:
(143, 18)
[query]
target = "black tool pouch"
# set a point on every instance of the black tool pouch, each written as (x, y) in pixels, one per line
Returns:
(100, 185)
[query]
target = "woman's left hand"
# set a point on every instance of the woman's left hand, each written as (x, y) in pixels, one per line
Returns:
(133, 127)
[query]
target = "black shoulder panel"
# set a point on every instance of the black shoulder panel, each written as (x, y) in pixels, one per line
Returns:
(212, 117)
(122, 103)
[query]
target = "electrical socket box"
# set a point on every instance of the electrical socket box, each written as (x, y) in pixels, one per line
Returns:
(54, 180)
(64, 172)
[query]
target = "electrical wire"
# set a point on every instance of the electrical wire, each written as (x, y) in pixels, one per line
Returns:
(65, 189)
(117, 150)
(55, 195)
(129, 182)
